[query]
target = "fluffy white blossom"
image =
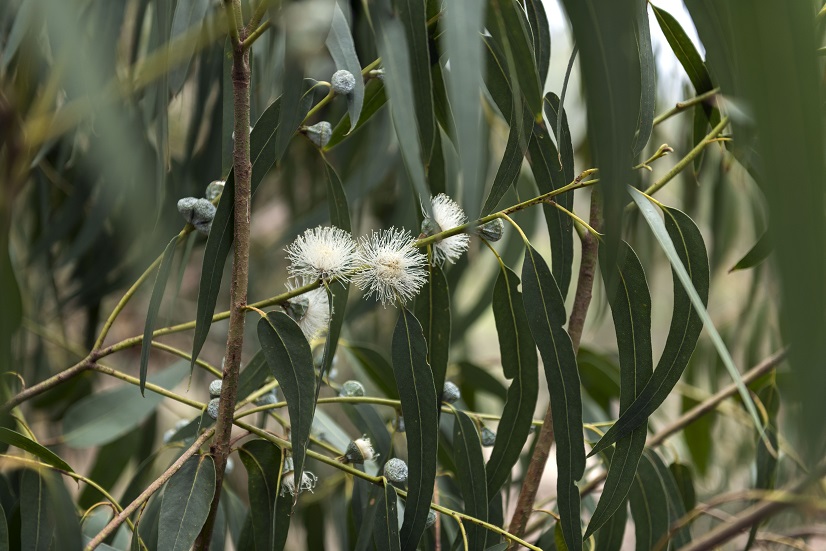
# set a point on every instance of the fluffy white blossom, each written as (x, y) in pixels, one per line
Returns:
(359, 451)
(447, 214)
(311, 310)
(392, 268)
(324, 252)
(308, 479)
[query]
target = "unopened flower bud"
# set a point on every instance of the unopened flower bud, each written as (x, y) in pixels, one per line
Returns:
(214, 189)
(359, 451)
(430, 227)
(488, 437)
(351, 389)
(451, 393)
(395, 470)
(319, 133)
(296, 307)
(431, 519)
(343, 82)
(215, 388)
(198, 212)
(493, 230)
(212, 408)
(267, 399)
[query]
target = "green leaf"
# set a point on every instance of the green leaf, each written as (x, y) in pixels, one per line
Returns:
(11, 314)
(392, 45)
(290, 115)
(562, 134)
(541, 38)
(511, 27)
(519, 363)
(377, 368)
(4, 531)
(253, 376)
(263, 461)
(433, 310)
(766, 458)
(188, 15)
(685, 484)
(369, 511)
(462, 25)
(26, 16)
(186, 502)
(470, 469)
(757, 254)
(600, 377)
(684, 49)
(8, 436)
(611, 536)
(683, 244)
(414, 381)
(631, 310)
(155, 306)
(37, 521)
(263, 156)
(545, 310)
(648, 78)
(676, 509)
(343, 51)
(387, 523)
(649, 507)
(291, 363)
(413, 17)
(109, 414)
(609, 64)
(375, 96)
(110, 462)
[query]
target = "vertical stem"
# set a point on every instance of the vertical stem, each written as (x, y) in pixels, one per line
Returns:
(582, 299)
(242, 168)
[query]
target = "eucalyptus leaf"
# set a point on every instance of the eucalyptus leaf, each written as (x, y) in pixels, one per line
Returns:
(155, 306)
(648, 78)
(263, 461)
(470, 465)
(343, 51)
(291, 363)
(387, 523)
(186, 502)
(414, 381)
(46, 455)
(37, 518)
(546, 315)
(433, 311)
(759, 252)
(189, 14)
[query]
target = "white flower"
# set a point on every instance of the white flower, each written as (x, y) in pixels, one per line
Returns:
(324, 252)
(308, 479)
(311, 310)
(392, 268)
(448, 215)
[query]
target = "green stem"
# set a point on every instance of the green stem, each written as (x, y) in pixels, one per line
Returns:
(256, 34)
(683, 105)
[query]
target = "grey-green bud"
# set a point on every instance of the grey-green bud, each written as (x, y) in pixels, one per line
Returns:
(267, 399)
(214, 190)
(431, 519)
(493, 230)
(297, 307)
(198, 212)
(319, 133)
(451, 393)
(430, 227)
(343, 82)
(215, 388)
(488, 437)
(351, 388)
(359, 451)
(395, 470)
(212, 408)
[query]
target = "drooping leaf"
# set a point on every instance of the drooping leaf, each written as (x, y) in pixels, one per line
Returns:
(648, 77)
(375, 97)
(186, 502)
(562, 134)
(392, 45)
(674, 500)
(343, 51)
(289, 115)
(417, 392)
(263, 461)
(649, 507)
(413, 17)
(684, 49)
(155, 306)
(600, 377)
(36, 515)
(189, 14)
(541, 38)
(685, 484)
(545, 311)
(433, 311)
(757, 254)
(519, 363)
(104, 416)
(631, 310)
(290, 360)
(470, 465)
(611, 536)
(376, 367)
(253, 375)
(766, 458)
(387, 523)
(46, 455)
(462, 25)
(4, 531)
(263, 156)
(369, 511)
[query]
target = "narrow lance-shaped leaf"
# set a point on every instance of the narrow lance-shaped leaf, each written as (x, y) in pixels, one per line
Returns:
(343, 51)
(611, 536)
(289, 116)
(414, 381)
(263, 156)
(186, 503)
(387, 523)
(37, 520)
(375, 97)
(263, 462)
(433, 310)
(757, 254)
(546, 315)
(470, 465)
(188, 15)
(541, 38)
(649, 507)
(519, 363)
(766, 458)
(648, 77)
(13, 438)
(562, 134)
(674, 500)
(631, 310)
(154, 307)
(291, 363)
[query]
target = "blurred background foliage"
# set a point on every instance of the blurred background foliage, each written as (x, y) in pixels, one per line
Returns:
(99, 141)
